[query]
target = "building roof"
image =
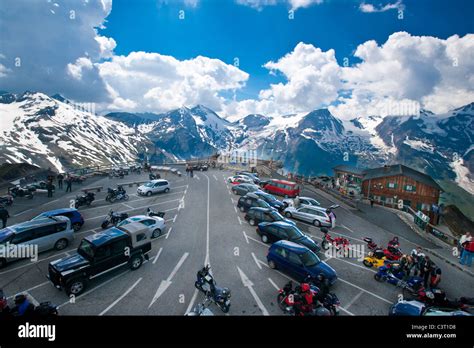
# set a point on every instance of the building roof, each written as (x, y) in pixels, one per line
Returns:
(349, 169)
(400, 169)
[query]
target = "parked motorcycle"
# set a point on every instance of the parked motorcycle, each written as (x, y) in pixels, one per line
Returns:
(202, 309)
(339, 243)
(118, 194)
(86, 199)
(205, 283)
(291, 301)
(391, 274)
(329, 300)
(6, 200)
(19, 191)
(151, 213)
(437, 297)
(153, 176)
(23, 307)
(391, 253)
(113, 219)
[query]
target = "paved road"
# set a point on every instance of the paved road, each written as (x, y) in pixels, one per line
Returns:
(203, 226)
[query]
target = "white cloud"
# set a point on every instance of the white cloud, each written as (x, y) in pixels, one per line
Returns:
(294, 4)
(156, 82)
(370, 8)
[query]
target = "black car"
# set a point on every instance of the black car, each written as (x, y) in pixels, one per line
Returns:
(98, 254)
(271, 232)
(251, 200)
(243, 189)
(256, 215)
(270, 199)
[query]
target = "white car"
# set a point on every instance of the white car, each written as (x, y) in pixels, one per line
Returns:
(239, 179)
(155, 224)
(154, 186)
(303, 200)
(314, 215)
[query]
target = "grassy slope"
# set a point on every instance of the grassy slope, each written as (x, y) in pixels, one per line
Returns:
(458, 196)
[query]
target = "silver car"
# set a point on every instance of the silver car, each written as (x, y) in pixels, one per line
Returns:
(154, 224)
(303, 200)
(154, 186)
(43, 234)
(313, 215)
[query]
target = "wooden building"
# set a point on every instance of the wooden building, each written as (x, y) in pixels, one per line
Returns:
(348, 176)
(394, 184)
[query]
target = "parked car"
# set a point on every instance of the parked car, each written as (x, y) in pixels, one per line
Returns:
(200, 166)
(282, 188)
(239, 179)
(252, 176)
(270, 199)
(303, 200)
(97, 255)
(46, 233)
(256, 215)
(155, 225)
(271, 232)
(416, 308)
(243, 189)
(298, 261)
(311, 214)
(77, 220)
(251, 200)
(154, 186)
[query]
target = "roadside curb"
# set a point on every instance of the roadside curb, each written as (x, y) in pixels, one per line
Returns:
(444, 258)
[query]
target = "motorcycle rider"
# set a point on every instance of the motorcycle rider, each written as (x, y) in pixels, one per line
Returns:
(394, 243)
(23, 306)
(322, 282)
(4, 215)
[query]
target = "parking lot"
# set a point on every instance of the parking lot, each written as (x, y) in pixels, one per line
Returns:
(203, 226)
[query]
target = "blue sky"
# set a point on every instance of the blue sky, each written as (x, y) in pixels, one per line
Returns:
(139, 56)
(224, 29)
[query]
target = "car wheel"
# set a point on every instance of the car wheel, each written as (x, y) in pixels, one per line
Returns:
(242, 209)
(264, 238)
(167, 190)
(76, 226)
(252, 222)
(76, 287)
(136, 262)
(148, 194)
(3, 262)
(288, 214)
(234, 191)
(156, 233)
(61, 244)
(272, 264)
(325, 244)
(317, 223)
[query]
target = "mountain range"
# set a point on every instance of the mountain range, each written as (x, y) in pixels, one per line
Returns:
(52, 132)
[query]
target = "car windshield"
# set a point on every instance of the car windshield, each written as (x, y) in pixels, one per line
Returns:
(293, 232)
(276, 216)
(85, 249)
(310, 259)
(123, 223)
(149, 184)
(263, 204)
(313, 201)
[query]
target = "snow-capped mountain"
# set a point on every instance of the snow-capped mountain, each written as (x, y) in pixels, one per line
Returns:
(44, 131)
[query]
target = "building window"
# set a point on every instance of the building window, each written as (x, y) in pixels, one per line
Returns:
(425, 206)
(410, 188)
(392, 185)
(389, 200)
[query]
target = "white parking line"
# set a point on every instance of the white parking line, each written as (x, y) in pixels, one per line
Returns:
(240, 220)
(215, 177)
(169, 231)
(28, 290)
(256, 261)
(23, 212)
(356, 297)
(157, 256)
(121, 297)
(235, 208)
(347, 228)
(129, 207)
(273, 283)
(207, 259)
(245, 236)
(197, 177)
(190, 306)
(366, 291)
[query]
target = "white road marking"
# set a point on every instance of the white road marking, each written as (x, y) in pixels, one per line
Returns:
(215, 177)
(25, 211)
(32, 299)
(245, 236)
(235, 208)
(207, 260)
(197, 177)
(28, 290)
(356, 297)
(169, 231)
(355, 265)
(366, 291)
(345, 310)
(174, 219)
(121, 297)
(347, 228)
(190, 306)
(240, 220)
(157, 255)
(248, 284)
(166, 283)
(257, 241)
(256, 261)
(232, 199)
(273, 283)
(129, 207)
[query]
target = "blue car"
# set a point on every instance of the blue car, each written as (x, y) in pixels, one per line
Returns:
(271, 200)
(73, 214)
(297, 261)
(416, 308)
(271, 232)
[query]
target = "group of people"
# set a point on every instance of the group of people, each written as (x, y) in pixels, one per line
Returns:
(189, 171)
(466, 249)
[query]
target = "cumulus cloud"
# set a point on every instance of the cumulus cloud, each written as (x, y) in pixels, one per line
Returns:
(370, 8)
(49, 47)
(158, 82)
(294, 4)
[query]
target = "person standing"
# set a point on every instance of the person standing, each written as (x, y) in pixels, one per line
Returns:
(435, 276)
(467, 254)
(426, 268)
(68, 184)
(60, 178)
(371, 202)
(4, 215)
(297, 202)
(49, 187)
(464, 238)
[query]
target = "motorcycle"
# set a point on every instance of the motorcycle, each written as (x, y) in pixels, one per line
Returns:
(86, 199)
(391, 253)
(152, 176)
(437, 297)
(116, 195)
(205, 283)
(6, 200)
(291, 301)
(339, 243)
(375, 259)
(330, 301)
(391, 274)
(151, 213)
(19, 191)
(201, 309)
(113, 219)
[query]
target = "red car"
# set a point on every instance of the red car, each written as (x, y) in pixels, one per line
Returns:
(282, 188)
